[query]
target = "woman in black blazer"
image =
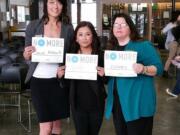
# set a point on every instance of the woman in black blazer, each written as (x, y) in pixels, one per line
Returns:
(87, 97)
(49, 96)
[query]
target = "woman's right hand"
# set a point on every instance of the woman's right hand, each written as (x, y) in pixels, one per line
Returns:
(28, 52)
(61, 71)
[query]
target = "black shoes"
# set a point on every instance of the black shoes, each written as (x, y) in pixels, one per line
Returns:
(171, 94)
(165, 74)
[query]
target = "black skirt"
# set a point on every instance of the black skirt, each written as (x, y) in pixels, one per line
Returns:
(51, 102)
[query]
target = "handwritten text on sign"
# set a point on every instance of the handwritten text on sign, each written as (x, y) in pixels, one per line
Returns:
(81, 66)
(49, 50)
(120, 63)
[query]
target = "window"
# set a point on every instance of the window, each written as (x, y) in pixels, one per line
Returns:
(85, 15)
(20, 14)
(74, 14)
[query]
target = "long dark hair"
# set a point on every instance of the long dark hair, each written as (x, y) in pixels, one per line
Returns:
(175, 32)
(95, 40)
(134, 35)
(63, 17)
(174, 16)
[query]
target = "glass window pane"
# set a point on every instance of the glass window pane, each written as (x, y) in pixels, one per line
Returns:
(74, 14)
(88, 12)
(21, 14)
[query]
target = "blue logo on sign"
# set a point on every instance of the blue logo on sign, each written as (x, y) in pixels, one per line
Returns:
(41, 42)
(113, 56)
(74, 59)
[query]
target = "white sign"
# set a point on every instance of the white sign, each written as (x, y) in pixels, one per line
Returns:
(48, 50)
(81, 66)
(120, 63)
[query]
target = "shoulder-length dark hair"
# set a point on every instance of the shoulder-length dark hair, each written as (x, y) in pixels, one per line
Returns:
(174, 16)
(63, 17)
(95, 40)
(134, 35)
(175, 32)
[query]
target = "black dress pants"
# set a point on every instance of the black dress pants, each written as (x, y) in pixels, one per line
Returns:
(142, 126)
(87, 123)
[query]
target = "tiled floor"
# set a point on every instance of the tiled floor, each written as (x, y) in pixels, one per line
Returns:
(166, 122)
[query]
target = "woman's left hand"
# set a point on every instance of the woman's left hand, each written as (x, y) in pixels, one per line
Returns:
(138, 68)
(100, 71)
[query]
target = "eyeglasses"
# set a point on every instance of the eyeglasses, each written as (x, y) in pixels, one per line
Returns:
(121, 25)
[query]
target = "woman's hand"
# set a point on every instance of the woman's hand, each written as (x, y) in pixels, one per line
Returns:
(138, 68)
(28, 52)
(150, 70)
(61, 71)
(100, 71)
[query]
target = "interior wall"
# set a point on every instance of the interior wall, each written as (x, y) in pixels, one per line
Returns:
(3, 22)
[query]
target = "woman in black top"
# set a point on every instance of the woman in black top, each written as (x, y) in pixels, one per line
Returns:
(87, 97)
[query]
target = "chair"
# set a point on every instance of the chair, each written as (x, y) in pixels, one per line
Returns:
(13, 55)
(17, 42)
(4, 50)
(27, 95)
(12, 84)
(4, 60)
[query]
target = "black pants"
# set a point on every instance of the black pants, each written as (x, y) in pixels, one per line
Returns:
(87, 123)
(142, 126)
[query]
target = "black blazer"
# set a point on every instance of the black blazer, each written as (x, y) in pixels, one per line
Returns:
(36, 27)
(97, 86)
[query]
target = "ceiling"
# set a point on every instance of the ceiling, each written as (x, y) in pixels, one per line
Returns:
(136, 1)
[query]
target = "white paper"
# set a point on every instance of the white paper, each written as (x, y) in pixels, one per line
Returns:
(48, 50)
(81, 66)
(120, 63)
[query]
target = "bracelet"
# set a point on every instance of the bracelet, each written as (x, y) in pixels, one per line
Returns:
(145, 70)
